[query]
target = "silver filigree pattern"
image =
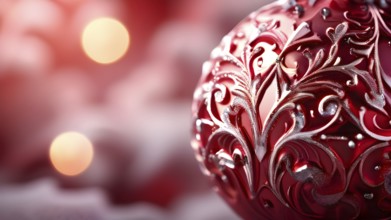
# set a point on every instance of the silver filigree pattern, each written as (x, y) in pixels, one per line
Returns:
(298, 118)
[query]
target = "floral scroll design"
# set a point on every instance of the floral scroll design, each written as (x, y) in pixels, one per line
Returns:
(278, 118)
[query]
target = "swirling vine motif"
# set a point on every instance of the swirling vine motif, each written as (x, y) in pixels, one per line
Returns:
(292, 112)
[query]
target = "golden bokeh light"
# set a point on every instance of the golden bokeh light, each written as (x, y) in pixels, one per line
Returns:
(105, 40)
(71, 153)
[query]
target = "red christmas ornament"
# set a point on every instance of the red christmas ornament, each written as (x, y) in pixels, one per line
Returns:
(292, 115)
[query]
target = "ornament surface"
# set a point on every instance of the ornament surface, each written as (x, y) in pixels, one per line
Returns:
(292, 114)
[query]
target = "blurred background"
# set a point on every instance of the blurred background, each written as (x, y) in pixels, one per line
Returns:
(95, 100)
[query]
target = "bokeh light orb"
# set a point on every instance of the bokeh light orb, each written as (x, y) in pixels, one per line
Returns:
(71, 153)
(105, 40)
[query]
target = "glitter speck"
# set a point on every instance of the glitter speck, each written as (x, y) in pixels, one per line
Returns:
(325, 12)
(219, 96)
(331, 109)
(299, 10)
(351, 144)
(368, 196)
(267, 204)
(359, 137)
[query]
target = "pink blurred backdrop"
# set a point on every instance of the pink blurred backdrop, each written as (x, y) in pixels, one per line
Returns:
(136, 111)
